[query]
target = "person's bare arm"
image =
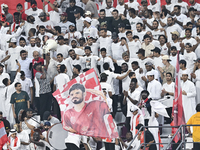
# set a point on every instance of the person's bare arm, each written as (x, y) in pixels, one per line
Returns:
(28, 104)
(51, 5)
(43, 73)
(28, 125)
(6, 58)
(13, 109)
(31, 91)
(124, 76)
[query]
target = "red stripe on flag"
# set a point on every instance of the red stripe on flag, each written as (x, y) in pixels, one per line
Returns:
(178, 113)
(3, 135)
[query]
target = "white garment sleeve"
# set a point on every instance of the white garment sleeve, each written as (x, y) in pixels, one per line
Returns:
(192, 91)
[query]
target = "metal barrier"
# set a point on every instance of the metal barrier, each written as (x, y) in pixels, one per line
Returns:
(180, 129)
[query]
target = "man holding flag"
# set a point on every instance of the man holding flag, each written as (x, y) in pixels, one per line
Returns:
(3, 135)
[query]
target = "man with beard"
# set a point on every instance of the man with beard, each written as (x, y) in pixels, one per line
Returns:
(179, 17)
(79, 20)
(173, 56)
(64, 23)
(47, 125)
(157, 32)
(16, 21)
(84, 117)
(36, 143)
(43, 21)
(54, 14)
(73, 34)
(70, 11)
(139, 31)
(29, 124)
(78, 51)
(175, 41)
(24, 138)
(62, 48)
(9, 17)
(32, 47)
(172, 27)
(34, 11)
(29, 24)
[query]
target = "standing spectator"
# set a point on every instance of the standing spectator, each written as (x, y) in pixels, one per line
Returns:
(134, 19)
(26, 64)
(9, 17)
(179, 18)
(45, 97)
(147, 46)
(36, 59)
(71, 9)
(92, 7)
(19, 100)
(78, 20)
(89, 31)
(64, 23)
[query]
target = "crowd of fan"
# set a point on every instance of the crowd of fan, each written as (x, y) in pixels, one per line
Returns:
(133, 48)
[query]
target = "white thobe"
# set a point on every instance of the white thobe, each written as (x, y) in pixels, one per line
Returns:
(189, 103)
(12, 141)
(9, 90)
(23, 136)
(155, 88)
(197, 83)
(133, 122)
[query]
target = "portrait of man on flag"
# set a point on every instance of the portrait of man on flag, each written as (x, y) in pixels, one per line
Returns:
(84, 109)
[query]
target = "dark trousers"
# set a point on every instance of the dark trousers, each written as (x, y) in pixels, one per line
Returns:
(128, 120)
(109, 146)
(169, 111)
(175, 145)
(71, 146)
(114, 104)
(196, 146)
(45, 101)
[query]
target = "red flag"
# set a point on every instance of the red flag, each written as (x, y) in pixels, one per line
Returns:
(84, 109)
(178, 113)
(3, 135)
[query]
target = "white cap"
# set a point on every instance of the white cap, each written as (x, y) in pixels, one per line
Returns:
(133, 108)
(186, 71)
(88, 19)
(159, 108)
(88, 13)
(150, 73)
(5, 5)
(13, 40)
(165, 57)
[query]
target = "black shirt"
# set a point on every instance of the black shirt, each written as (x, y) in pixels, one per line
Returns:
(70, 13)
(148, 138)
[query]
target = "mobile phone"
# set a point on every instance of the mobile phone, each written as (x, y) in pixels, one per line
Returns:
(16, 61)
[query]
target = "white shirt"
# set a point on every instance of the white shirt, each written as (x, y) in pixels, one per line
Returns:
(23, 136)
(189, 58)
(172, 29)
(26, 85)
(63, 49)
(125, 82)
(91, 62)
(106, 60)
(55, 16)
(79, 24)
(105, 43)
(3, 76)
(139, 34)
(106, 86)
(35, 14)
(181, 18)
(109, 12)
(31, 122)
(154, 8)
(74, 139)
(54, 120)
(95, 49)
(120, 8)
(169, 88)
(60, 80)
(31, 49)
(90, 32)
(154, 88)
(134, 21)
(76, 35)
(164, 49)
(183, 5)
(64, 26)
(25, 64)
(157, 33)
(192, 41)
(117, 50)
(45, 24)
(174, 60)
(135, 95)
(134, 46)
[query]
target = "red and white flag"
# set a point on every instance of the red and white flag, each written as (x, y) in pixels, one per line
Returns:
(84, 109)
(3, 135)
(178, 112)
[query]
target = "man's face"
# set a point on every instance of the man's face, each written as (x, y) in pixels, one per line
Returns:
(184, 77)
(115, 15)
(144, 95)
(22, 43)
(164, 61)
(46, 128)
(90, 41)
(147, 41)
(124, 68)
(72, 55)
(73, 44)
(23, 56)
(139, 28)
(87, 52)
(59, 58)
(191, 1)
(5, 9)
(168, 77)
(1, 69)
(14, 135)
(61, 42)
(29, 114)
(120, 29)
(103, 33)
(153, 1)
(77, 96)
(71, 28)
(36, 55)
(36, 136)
(129, 36)
(162, 40)
(176, 11)
(63, 18)
(77, 15)
(121, 2)
(188, 34)
(188, 48)
(115, 40)
(55, 3)
(103, 54)
(148, 67)
(32, 42)
(16, 18)
(173, 52)
(43, 18)
(126, 58)
(1, 117)
(58, 68)
(19, 8)
(169, 22)
(109, 3)
(102, 15)
(134, 66)
(150, 78)
(174, 37)
(72, 4)
(42, 31)
(75, 71)
(132, 85)
(19, 87)
(168, 1)
(181, 65)
(155, 25)
(198, 31)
